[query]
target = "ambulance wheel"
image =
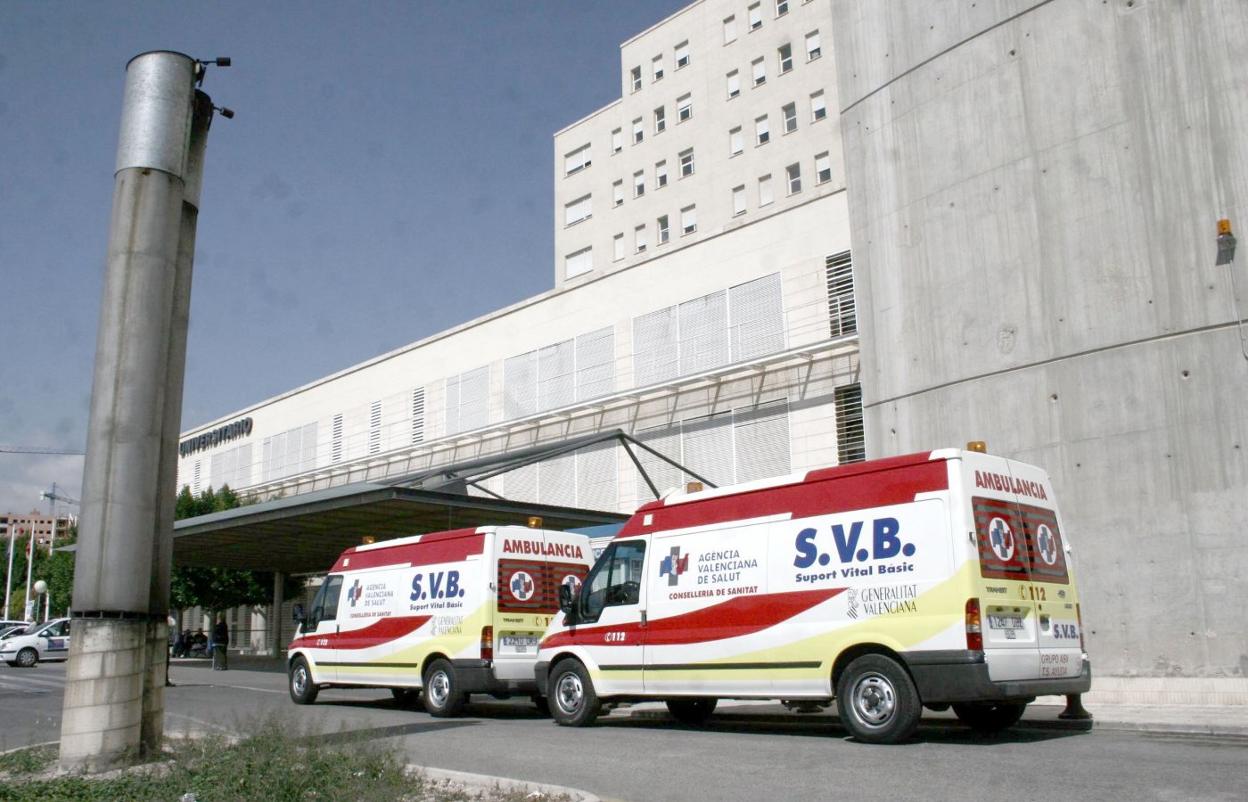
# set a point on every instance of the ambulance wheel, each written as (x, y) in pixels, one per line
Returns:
(442, 695)
(27, 657)
(571, 693)
(692, 711)
(302, 690)
(406, 697)
(990, 717)
(877, 700)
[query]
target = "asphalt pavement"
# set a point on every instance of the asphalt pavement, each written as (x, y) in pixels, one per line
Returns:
(746, 751)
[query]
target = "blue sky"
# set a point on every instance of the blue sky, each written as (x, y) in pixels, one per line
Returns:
(388, 175)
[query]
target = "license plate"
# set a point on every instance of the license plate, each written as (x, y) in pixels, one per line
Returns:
(518, 644)
(1009, 623)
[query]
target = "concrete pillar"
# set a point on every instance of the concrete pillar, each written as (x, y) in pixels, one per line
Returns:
(115, 625)
(279, 593)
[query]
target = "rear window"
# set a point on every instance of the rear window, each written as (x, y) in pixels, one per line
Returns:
(1019, 541)
(531, 586)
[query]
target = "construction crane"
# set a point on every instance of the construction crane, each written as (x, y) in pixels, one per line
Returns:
(53, 497)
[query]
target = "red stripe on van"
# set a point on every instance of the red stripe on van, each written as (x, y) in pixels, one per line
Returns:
(375, 634)
(438, 547)
(743, 615)
(858, 486)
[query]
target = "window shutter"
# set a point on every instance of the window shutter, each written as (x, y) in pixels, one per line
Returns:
(842, 311)
(757, 318)
(702, 325)
(556, 375)
(665, 477)
(655, 349)
(556, 481)
(762, 441)
(707, 445)
(851, 442)
(374, 428)
(595, 363)
(521, 484)
(520, 385)
(418, 415)
(596, 478)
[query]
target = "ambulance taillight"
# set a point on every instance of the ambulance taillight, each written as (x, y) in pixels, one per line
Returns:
(974, 631)
(487, 643)
(1079, 618)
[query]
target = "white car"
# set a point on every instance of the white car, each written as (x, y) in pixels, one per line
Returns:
(47, 642)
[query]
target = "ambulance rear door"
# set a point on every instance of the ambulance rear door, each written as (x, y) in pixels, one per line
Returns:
(531, 566)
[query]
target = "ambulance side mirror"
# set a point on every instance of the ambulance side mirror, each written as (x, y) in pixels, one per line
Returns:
(565, 598)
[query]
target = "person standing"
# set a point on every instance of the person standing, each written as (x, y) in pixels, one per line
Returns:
(220, 642)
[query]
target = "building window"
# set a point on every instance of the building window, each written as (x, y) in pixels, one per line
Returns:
(789, 112)
(656, 68)
(765, 193)
(760, 71)
(762, 131)
(730, 29)
(813, 47)
(823, 168)
(578, 262)
(684, 107)
(842, 310)
(660, 174)
(682, 55)
(639, 132)
(734, 84)
(617, 247)
(756, 17)
(374, 428)
(785, 53)
(736, 142)
(660, 120)
(617, 141)
(418, 415)
(576, 161)
(738, 200)
(639, 238)
(335, 430)
(817, 108)
(851, 441)
(686, 162)
(578, 210)
(782, 7)
(688, 220)
(664, 231)
(639, 183)
(635, 73)
(794, 174)
(617, 192)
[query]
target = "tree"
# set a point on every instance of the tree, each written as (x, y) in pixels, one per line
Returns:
(219, 588)
(21, 545)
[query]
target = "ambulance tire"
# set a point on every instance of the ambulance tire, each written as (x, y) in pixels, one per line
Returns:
(406, 697)
(442, 696)
(573, 701)
(692, 711)
(877, 700)
(990, 717)
(302, 690)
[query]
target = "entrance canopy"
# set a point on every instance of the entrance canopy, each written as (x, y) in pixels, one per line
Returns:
(307, 532)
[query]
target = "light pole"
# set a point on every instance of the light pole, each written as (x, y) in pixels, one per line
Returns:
(8, 576)
(30, 563)
(41, 589)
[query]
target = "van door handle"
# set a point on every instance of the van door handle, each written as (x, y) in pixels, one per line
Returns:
(643, 618)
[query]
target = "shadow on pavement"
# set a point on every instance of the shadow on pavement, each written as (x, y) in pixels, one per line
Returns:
(393, 731)
(930, 731)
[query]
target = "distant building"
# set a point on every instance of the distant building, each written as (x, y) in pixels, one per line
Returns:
(19, 525)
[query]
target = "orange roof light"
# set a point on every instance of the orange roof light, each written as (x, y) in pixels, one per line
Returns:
(535, 522)
(368, 539)
(1224, 227)
(977, 445)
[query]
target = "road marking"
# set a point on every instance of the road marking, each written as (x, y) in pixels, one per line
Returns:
(22, 682)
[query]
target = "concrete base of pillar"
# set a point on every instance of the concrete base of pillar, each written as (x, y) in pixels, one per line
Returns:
(152, 732)
(102, 721)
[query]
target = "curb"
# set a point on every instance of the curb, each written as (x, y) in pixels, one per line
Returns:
(486, 782)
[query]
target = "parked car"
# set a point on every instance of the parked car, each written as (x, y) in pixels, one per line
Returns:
(10, 624)
(48, 641)
(8, 629)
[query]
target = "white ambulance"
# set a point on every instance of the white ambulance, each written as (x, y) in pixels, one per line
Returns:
(934, 579)
(452, 613)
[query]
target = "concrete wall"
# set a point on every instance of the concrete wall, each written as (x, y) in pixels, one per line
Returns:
(1033, 193)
